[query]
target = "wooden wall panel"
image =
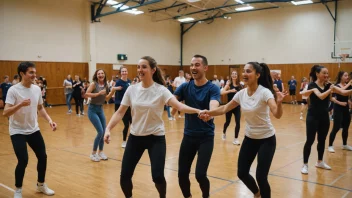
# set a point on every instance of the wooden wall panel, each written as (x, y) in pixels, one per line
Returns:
(54, 72)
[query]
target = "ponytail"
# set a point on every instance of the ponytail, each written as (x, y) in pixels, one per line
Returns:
(313, 72)
(157, 77)
(265, 79)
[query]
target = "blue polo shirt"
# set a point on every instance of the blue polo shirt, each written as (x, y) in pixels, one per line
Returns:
(198, 97)
(119, 94)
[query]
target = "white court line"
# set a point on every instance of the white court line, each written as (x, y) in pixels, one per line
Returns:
(345, 195)
(8, 188)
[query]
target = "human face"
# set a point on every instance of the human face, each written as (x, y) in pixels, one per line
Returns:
(144, 71)
(197, 68)
(124, 72)
(101, 76)
(323, 75)
(76, 78)
(30, 75)
(234, 75)
(68, 77)
(344, 78)
(250, 75)
(181, 74)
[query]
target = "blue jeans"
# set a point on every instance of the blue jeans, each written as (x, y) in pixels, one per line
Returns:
(97, 118)
(168, 111)
(68, 100)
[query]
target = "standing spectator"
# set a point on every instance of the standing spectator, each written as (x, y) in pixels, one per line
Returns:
(68, 92)
(15, 79)
(292, 84)
(216, 81)
(278, 82)
(77, 94)
(5, 86)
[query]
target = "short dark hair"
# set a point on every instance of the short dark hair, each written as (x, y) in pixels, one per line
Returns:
(23, 67)
(204, 59)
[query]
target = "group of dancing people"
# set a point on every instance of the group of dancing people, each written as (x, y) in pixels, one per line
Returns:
(140, 107)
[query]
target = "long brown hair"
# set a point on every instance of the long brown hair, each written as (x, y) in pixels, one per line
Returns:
(157, 76)
(95, 77)
(237, 80)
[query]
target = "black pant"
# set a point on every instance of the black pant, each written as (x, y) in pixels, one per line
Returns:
(36, 142)
(189, 147)
(265, 148)
(316, 123)
(237, 114)
(136, 145)
(342, 119)
(79, 103)
(127, 120)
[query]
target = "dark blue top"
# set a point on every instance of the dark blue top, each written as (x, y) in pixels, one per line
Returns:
(292, 84)
(199, 98)
(279, 84)
(119, 94)
(4, 88)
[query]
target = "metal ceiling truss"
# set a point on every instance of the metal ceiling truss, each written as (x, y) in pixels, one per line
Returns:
(95, 14)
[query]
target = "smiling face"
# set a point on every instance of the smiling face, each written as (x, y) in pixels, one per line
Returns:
(345, 78)
(197, 68)
(234, 75)
(144, 71)
(124, 72)
(250, 75)
(323, 75)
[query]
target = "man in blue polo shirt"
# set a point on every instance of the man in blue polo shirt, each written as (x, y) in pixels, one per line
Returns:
(198, 135)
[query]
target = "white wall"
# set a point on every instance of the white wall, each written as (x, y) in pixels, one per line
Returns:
(60, 30)
(54, 30)
(137, 36)
(286, 35)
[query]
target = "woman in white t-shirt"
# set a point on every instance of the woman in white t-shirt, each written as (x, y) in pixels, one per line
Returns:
(147, 100)
(256, 100)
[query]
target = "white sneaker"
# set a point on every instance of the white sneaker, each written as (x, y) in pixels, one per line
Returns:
(123, 145)
(102, 156)
(170, 118)
(301, 117)
(179, 116)
(346, 147)
(95, 157)
(331, 149)
(44, 189)
(69, 111)
(82, 113)
(223, 137)
(322, 165)
(236, 141)
(18, 193)
(78, 115)
(304, 169)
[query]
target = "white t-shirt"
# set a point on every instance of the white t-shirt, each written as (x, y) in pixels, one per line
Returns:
(179, 80)
(147, 107)
(25, 120)
(305, 89)
(256, 112)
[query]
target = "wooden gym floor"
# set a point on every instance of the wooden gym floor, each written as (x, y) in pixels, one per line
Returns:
(71, 173)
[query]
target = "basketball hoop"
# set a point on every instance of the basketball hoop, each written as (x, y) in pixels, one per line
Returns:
(344, 56)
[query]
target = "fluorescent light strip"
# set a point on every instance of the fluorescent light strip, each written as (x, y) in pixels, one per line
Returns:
(111, 2)
(301, 2)
(186, 19)
(239, 1)
(244, 8)
(123, 7)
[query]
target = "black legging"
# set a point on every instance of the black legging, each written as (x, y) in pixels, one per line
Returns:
(237, 114)
(342, 119)
(318, 123)
(156, 146)
(127, 120)
(79, 103)
(265, 148)
(189, 147)
(36, 142)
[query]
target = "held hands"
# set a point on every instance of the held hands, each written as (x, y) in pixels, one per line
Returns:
(204, 115)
